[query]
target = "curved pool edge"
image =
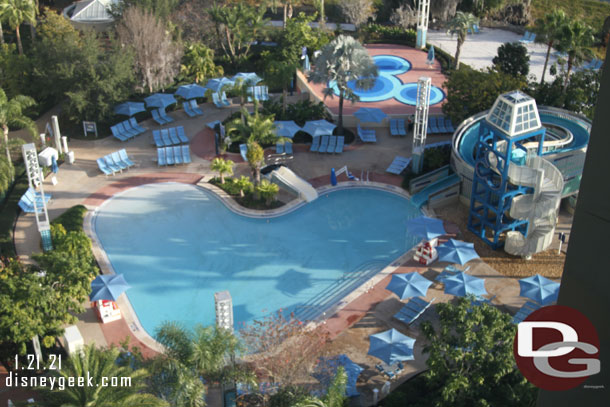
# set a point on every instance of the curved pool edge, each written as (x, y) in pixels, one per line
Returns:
(128, 312)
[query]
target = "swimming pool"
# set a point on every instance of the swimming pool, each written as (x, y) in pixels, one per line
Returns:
(177, 245)
(388, 86)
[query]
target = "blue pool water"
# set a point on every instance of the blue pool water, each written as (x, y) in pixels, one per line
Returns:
(388, 86)
(177, 245)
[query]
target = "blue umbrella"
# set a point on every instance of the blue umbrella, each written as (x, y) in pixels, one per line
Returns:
(391, 346)
(108, 287)
(286, 128)
(160, 100)
(318, 128)
(129, 108)
(463, 284)
(426, 227)
(540, 289)
(191, 91)
(250, 77)
(409, 285)
(456, 251)
(430, 59)
(370, 114)
(333, 177)
(217, 84)
(327, 369)
(54, 166)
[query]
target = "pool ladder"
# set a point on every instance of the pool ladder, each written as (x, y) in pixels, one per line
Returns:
(362, 176)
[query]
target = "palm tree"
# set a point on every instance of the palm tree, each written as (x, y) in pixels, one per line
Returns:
(243, 89)
(267, 190)
(575, 39)
(244, 184)
(460, 24)
(255, 127)
(223, 167)
(548, 31)
(11, 114)
(199, 63)
(100, 365)
(256, 160)
(16, 12)
(343, 60)
(335, 396)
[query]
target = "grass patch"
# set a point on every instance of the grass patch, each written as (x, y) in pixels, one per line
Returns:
(593, 12)
(72, 219)
(9, 210)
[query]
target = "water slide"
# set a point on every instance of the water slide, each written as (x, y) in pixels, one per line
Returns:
(422, 196)
(291, 180)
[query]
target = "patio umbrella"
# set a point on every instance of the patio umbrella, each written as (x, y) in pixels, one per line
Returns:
(456, 251)
(409, 285)
(54, 166)
(319, 128)
(191, 91)
(129, 108)
(463, 284)
(250, 77)
(430, 60)
(426, 227)
(160, 100)
(217, 84)
(333, 177)
(540, 289)
(370, 114)
(286, 128)
(391, 346)
(327, 369)
(108, 287)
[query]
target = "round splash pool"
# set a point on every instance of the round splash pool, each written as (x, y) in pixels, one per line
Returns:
(407, 94)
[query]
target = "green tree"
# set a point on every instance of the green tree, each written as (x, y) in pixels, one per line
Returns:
(575, 39)
(289, 396)
(298, 34)
(335, 395)
(342, 60)
(470, 91)
(256, 160)
(11, 114)
(198, 63)
(281, 72)
(470, 358)
(100, 364)
(16, 12)
(459, 25)
(244, 184)
(267, 191)
(223, 167)
(548, 31)
(512, 59)
(256, 127)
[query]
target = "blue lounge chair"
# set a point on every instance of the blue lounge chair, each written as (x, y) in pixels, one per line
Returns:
(449, 126)
(243, 151)
(323, 144)
(161, 156)
(117, 160)
(433, 128)
(398, 165)
(288, 148)
(30, 196)
(162, 113)
(181, 135)
(315, 145)
(264, 93)
(400, 126)
(117, 134)
(340, 144)
(103, 167)
(128, 127)
(367, 136)
(526, 37)
(125, 158)
(165, 136)
(157, 117)
(110, 164)
(157, 137)
(224, 100)
(169, 155)
(532, 38)
(136, 125)
(187, 109)
(440, 125)
(394, 127)
(173, 136)
(186, 154)
(129, 132)
(475, 28)
(217, 102)
(332, 144)
(195, 107)
(412, 310)
(279, 148)
(178, 155)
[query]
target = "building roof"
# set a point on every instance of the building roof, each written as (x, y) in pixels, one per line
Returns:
(92, 10)
(514, 113)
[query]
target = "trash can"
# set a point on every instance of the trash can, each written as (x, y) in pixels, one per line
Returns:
(71, 157)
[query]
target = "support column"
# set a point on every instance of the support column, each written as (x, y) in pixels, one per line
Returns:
(420, 129)
(423, 13)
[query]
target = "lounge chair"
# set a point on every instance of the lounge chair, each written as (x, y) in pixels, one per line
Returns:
(129, 127)
(402, 129)
(524, 311)
(449, 125)
(173, 136)
(475, 28)
(340, 144)
(332, 144)
(448, 272)
(217, 102)
(110, 163)
(412, 310)
(157, 117)
(161, 156)
(186, 154)
(163, 114)
(118, 161)
(117, 134)
(125, 158)
(288, 148)
(195, 107)
(440, 125)
(279, 148)
(187, 109)
(169, 155)
(181, 135)
(367, 136)
(432, 127)
(323, 144)
(264, 93)
(178, 155)
(243, 151)
(394, 127)
(526, 37)
(165, 136)
(224, 100)
(103, 167)
(125, 131)
(315, 145)
(157, 137)
(30, 196)
(398, 165)
(136, 125)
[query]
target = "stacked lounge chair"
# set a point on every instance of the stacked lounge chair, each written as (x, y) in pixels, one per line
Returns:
(398, 165)
(367, 136)
(169, 137)
(413, 310)
(397, 127)
(127, 129)
(26, 202)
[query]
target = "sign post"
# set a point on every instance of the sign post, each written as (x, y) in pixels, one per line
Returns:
(89, 127)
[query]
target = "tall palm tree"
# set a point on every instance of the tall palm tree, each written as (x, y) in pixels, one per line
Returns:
(256, 160)
(548, 31)
(223, 167)
(343, 60)
(16, 12)
(575, 39)
(459, 25)
(11, 114)
(100, 365)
